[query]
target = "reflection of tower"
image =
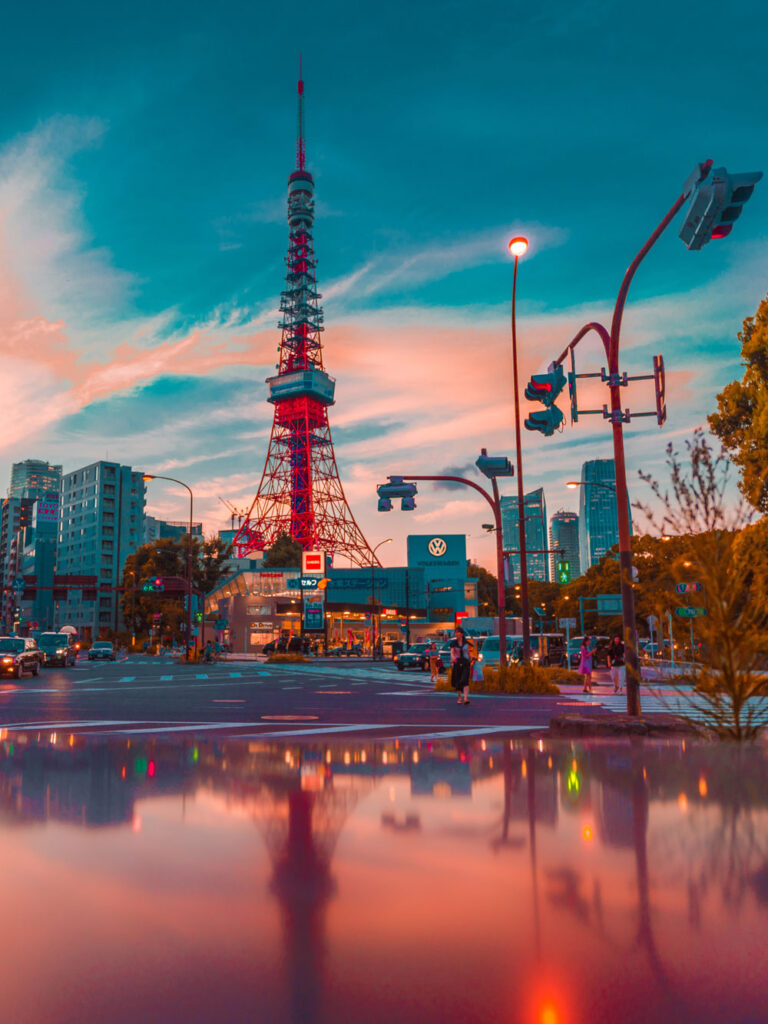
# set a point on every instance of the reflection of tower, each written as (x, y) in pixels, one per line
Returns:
(301, 816)
(300, 493)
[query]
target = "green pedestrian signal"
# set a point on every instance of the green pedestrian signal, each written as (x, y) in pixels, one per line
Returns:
(563, 572)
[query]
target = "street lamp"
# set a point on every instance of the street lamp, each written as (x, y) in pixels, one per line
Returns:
(590, 483)
(518, 247)
(173, 480)
(373, 597)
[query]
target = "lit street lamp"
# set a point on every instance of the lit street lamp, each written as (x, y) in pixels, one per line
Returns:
(173, 480)
(518, 247)
(373, 596)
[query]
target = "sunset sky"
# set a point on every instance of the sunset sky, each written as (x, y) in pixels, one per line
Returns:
(143, 170)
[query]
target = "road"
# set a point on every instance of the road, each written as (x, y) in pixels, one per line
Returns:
(145, 695)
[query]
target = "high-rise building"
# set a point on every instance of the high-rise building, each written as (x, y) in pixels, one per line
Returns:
(564, 536)
(598, 520)
(160, 529)
(101, 523)
(37, 550)
(34, 478)
(16, 515)
(535, 507)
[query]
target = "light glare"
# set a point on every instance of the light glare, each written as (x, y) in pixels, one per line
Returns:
(518, 246)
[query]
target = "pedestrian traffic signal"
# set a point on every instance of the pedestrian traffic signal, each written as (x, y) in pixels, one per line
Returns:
(716, 202)
(396, 488)
(546, 421)
(545, 387)
(494, 465)
(563, 572)
(198, 616)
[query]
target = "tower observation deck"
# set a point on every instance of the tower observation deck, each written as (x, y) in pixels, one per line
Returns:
(300, 493)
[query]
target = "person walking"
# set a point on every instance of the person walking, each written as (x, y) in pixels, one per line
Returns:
(434, 661)
(461, 663)
(585, 664)
(616, 661)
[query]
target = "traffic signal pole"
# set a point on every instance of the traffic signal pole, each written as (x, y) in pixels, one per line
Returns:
(520, 489)
(495, 503)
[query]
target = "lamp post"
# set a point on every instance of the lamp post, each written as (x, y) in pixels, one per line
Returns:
(130, 572)
(373, 597)
(173, 480)
(518, 247)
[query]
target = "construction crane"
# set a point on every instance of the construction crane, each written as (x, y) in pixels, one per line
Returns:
(235, 513)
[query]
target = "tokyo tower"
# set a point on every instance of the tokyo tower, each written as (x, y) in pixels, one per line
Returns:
(300, 493)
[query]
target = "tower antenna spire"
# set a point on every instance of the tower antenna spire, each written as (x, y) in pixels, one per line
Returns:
(300, 152)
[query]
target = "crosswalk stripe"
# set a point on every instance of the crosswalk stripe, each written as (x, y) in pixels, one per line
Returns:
(125, 679)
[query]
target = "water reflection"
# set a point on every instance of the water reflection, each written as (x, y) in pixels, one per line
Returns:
(495, 880)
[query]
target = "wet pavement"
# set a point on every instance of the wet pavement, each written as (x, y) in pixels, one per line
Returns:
(473, 879)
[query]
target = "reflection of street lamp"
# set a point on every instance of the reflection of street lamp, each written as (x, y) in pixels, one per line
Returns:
(173, 480)
(373, 597)
(518, 247)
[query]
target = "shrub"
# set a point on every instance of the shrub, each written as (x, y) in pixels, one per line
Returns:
(283, 658)
(516, 679)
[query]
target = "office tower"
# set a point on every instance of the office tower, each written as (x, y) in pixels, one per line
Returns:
(598, 521)
(101, 523)
(161, 529)
(564, 535)
(535, 535)
(34, 478)
(16, 515)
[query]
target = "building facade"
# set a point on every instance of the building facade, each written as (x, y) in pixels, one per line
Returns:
(34, 478)
(160, 529)
(564, 535)
(598, 520)
(101, 523)
(535, 507)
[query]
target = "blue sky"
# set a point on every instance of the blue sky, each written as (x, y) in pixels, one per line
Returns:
(142, 229)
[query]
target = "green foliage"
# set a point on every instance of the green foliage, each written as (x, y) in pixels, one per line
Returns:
(168, 557)
(487, 590)
(741, 420)
(514, 679)
(284, 554)
(730, 561)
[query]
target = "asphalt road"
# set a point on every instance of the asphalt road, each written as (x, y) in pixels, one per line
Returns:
(143, 695)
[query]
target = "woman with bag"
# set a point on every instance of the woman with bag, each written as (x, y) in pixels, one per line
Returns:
(461, 663)
(585, 664)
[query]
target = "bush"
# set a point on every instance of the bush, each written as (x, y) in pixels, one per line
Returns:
(283, 658)
(516, 679)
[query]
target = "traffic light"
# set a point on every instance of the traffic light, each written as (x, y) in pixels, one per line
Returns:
(494, 465)
(198, 616)
(563, 572)
(546, 421)
(716, 203)
(545, 387)
(152, 585)
(396, 488)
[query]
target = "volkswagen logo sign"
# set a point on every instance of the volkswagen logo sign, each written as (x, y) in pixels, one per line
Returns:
(437, 547)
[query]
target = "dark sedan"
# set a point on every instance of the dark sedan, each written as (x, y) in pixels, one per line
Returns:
(102, 649)
(57, 649)
(19, 655)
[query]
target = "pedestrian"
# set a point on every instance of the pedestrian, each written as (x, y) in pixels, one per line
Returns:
(616, 661)
(208, 652)
(434, 662)
(585, 663)
(462, 650)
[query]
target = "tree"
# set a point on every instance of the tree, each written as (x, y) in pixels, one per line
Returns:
(487, 591)
(168, 558)
(730, 563)
(741, 422)
(285, 553)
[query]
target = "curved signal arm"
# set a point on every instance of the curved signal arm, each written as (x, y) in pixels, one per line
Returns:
(495, 504)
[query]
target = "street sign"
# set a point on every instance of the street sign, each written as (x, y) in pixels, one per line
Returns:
(690, 613)
(314, 615)
(221, 624)
(566, 623)
(563, 572)
(609, 604)
(687, 588)
(19, 584)
(308, 582)
(313, 561)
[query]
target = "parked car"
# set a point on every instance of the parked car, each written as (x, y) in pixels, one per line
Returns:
(353, 651)
(102, 649)
(18, 655)
(414, 657)
(57, 649)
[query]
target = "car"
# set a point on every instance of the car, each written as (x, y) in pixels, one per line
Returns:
(18, 655)
(414, 657)
(354, 651)
(57, 649)
(103, 649)
(600, 646)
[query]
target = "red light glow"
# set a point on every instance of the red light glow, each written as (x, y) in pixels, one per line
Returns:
(151, 769)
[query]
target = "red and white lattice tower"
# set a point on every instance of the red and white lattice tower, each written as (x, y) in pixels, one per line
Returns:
(300, 493)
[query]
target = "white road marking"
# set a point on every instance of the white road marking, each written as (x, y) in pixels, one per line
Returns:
(166, 679)
(125, 679)
(201, 675)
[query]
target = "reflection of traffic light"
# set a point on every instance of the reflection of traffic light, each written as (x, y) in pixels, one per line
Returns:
(573, 785)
